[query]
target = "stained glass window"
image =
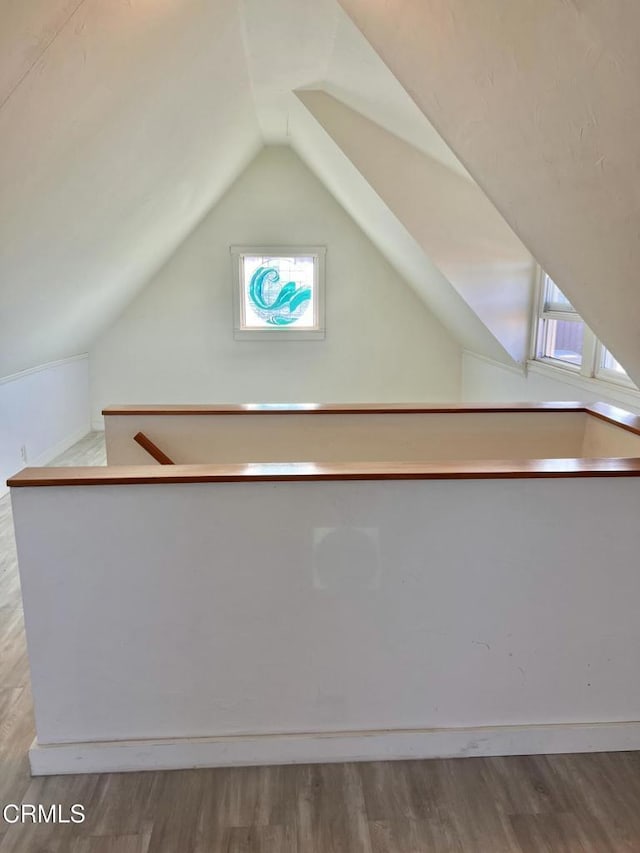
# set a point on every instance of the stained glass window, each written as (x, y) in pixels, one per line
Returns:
(278, 291)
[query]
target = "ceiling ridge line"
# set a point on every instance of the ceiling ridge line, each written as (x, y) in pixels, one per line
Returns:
(241, 9)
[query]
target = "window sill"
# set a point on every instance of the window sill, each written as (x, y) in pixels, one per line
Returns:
(618, 391)
(279, 335)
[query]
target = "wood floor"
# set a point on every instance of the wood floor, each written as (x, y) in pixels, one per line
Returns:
(561, 804)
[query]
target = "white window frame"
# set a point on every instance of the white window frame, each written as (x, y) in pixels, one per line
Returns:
(544, 312)
(608, 375)
(278, 333)
(592, 350)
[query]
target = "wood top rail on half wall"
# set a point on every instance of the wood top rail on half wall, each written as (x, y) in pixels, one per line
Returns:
(611, 414)
(310, 471)
(336, 408)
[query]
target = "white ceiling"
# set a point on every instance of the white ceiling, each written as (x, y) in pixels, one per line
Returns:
(293, 45)
(298, 44)
(122, 124)
(352, 190)
(123, 121)
(449, 217)
(539, 98)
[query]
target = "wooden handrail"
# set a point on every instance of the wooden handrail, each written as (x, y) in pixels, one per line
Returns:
(337, 408)
(152, 449)
(605, 412)
(307, 471)
(614, 415)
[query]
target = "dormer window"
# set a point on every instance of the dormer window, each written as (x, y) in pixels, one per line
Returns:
(563, 339)
(560, 328)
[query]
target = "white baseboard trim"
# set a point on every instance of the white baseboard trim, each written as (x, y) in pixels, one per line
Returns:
(60, 447)
(313, 748)
(51, 453)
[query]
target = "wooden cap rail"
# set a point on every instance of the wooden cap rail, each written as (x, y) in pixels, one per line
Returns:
(336, 408)
(614, 415)
(611, 414)
(309, 471)
(152, 449)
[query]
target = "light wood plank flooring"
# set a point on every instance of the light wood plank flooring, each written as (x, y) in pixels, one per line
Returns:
(559, 804)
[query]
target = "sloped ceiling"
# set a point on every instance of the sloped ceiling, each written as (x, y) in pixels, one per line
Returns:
(123, 121)
(539, 99)
(448, 215)
(293, 44)
(351, 189)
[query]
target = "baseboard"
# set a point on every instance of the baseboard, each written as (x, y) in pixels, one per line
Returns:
(312, 748)
(60, 447)
(51, 453)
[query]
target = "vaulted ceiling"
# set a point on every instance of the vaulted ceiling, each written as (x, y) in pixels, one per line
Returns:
(123, 121)
(539, 99)
(121, 124)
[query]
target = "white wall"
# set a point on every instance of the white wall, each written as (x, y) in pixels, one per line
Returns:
(46, 410)
(348, 437)
(363, 607)
(175, 343)
(485, 380)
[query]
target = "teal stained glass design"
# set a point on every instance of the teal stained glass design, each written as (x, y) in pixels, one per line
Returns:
(274, 296)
